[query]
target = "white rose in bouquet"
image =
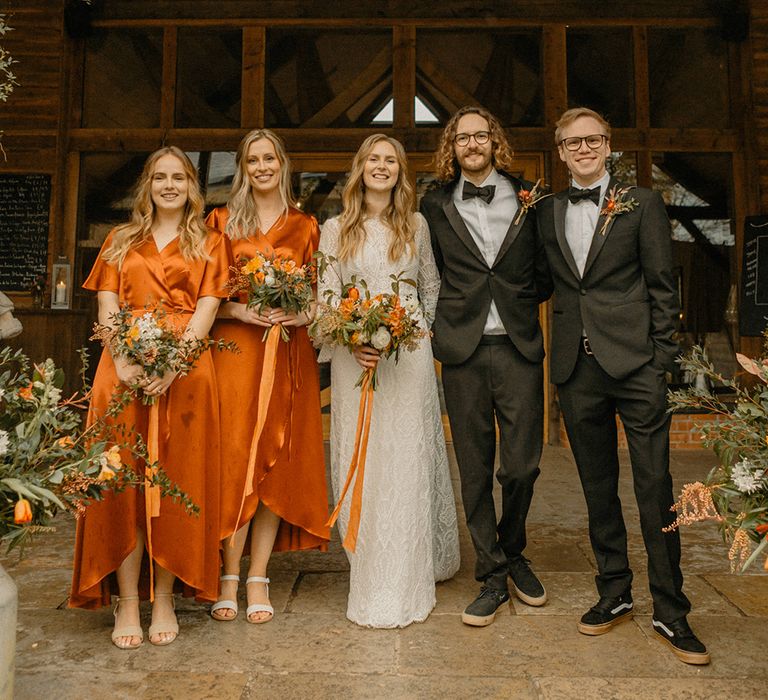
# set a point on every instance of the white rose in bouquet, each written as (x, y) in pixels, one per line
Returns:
(381, 338)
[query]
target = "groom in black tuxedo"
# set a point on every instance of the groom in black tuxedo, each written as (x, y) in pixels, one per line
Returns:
(615, 308)
(487, 336)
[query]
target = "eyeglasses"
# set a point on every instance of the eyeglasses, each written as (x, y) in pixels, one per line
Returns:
(480, 137)
(593, 141)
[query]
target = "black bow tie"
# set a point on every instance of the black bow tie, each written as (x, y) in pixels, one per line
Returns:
(576, 195)
(485, 193)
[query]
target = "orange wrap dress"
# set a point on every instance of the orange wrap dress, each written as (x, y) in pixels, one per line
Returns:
(289, 476)
(187, 545)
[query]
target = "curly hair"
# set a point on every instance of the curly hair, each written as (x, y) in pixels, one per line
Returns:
(192, 230)
(398, 215)
(243, 213)
(446, 164)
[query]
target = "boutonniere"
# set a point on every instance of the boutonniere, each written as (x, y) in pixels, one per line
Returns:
(529, 199)
(617, 202)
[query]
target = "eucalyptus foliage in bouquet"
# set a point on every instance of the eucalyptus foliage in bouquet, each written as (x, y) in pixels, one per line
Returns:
(48, 461)
(735, 493)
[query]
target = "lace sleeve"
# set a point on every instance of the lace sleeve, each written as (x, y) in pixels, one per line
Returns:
(329, 245)
(428, 279)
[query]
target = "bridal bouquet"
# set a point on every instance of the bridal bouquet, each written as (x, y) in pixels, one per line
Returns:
(48, 461)
(274, 282)
(735, 493)
(386, 322)
(155, 342)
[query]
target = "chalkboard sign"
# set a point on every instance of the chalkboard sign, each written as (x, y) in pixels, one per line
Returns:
(24, 218)
(753, 315)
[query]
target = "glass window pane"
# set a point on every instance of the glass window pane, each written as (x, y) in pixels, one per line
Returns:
(695, 188)
(123, 75)
(501, 70)
(327, 77)
(688, 71)
(601, 73)
(208, 91)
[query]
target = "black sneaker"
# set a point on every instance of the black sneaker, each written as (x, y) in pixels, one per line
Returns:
(684, 643)
(608, 613)
(527, 587)
(482, 610)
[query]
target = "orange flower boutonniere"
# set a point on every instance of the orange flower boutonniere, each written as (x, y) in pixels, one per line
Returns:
(528, 199)
(617, 202)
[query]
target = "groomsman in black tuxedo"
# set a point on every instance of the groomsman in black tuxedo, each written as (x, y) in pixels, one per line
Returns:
(487, 336)
(615, 308)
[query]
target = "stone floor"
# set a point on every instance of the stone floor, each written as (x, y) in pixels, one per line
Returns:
(310, 650)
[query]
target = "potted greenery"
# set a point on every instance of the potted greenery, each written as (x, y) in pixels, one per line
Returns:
(735, 493)
(49, 463)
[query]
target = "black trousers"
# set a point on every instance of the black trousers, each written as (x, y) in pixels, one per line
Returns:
(496, 382)
(589, 401)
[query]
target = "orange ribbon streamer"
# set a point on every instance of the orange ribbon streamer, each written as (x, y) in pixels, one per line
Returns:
(357, 465)
(152, 493)
(265, 394)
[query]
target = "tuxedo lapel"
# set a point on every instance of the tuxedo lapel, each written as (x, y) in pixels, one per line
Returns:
(598, 239)
(459, 227)
(559, 208)
(514, 226)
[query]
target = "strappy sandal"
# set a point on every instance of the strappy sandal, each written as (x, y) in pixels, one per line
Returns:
(225, 604)
(127, 631)
(164, 627)
(259, 607)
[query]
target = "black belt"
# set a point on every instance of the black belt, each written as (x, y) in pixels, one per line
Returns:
(585, 347)
(501, 339)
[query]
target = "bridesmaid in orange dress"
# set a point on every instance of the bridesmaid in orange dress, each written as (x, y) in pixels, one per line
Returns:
(289, 506)
(165, 253)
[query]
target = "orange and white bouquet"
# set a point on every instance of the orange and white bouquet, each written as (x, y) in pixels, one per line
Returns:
(386, 322)
(274, 282)
(155, 342)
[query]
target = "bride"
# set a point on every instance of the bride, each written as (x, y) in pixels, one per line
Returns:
(408, 537)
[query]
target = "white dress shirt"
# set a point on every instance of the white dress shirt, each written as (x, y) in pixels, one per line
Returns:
(488, 225)
(581, 221)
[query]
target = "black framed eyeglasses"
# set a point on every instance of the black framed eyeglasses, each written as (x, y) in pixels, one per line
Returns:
(593, 141)
(480, 137)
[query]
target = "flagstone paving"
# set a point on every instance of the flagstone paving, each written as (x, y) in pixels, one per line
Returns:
(310, 650)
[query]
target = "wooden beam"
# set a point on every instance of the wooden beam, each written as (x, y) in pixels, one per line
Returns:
(168, 87)
(254, 77)
(555, 82)
(642, 81)
(431, 69)
(362, 83)
(404, 76)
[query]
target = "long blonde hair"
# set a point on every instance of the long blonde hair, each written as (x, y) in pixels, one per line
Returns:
(192, 229)
(447, 166)
(243, 217)
(398, 214)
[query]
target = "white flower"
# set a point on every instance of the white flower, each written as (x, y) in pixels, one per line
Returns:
(269, 280)
(364, 338)
(746, 477)
(3, 442)
(381, 338)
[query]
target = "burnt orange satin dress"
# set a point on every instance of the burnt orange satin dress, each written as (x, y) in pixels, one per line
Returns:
(289, 475)
(186, 545)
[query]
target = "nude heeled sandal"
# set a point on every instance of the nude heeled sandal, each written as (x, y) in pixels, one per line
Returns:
(259, 607)
(129, 630)
(164, 627)
(226, 604)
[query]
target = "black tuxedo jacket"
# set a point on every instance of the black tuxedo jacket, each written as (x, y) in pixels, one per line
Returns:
(517, 281)
(626, 301)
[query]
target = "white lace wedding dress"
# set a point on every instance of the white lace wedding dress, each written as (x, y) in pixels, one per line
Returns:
(408, 536)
